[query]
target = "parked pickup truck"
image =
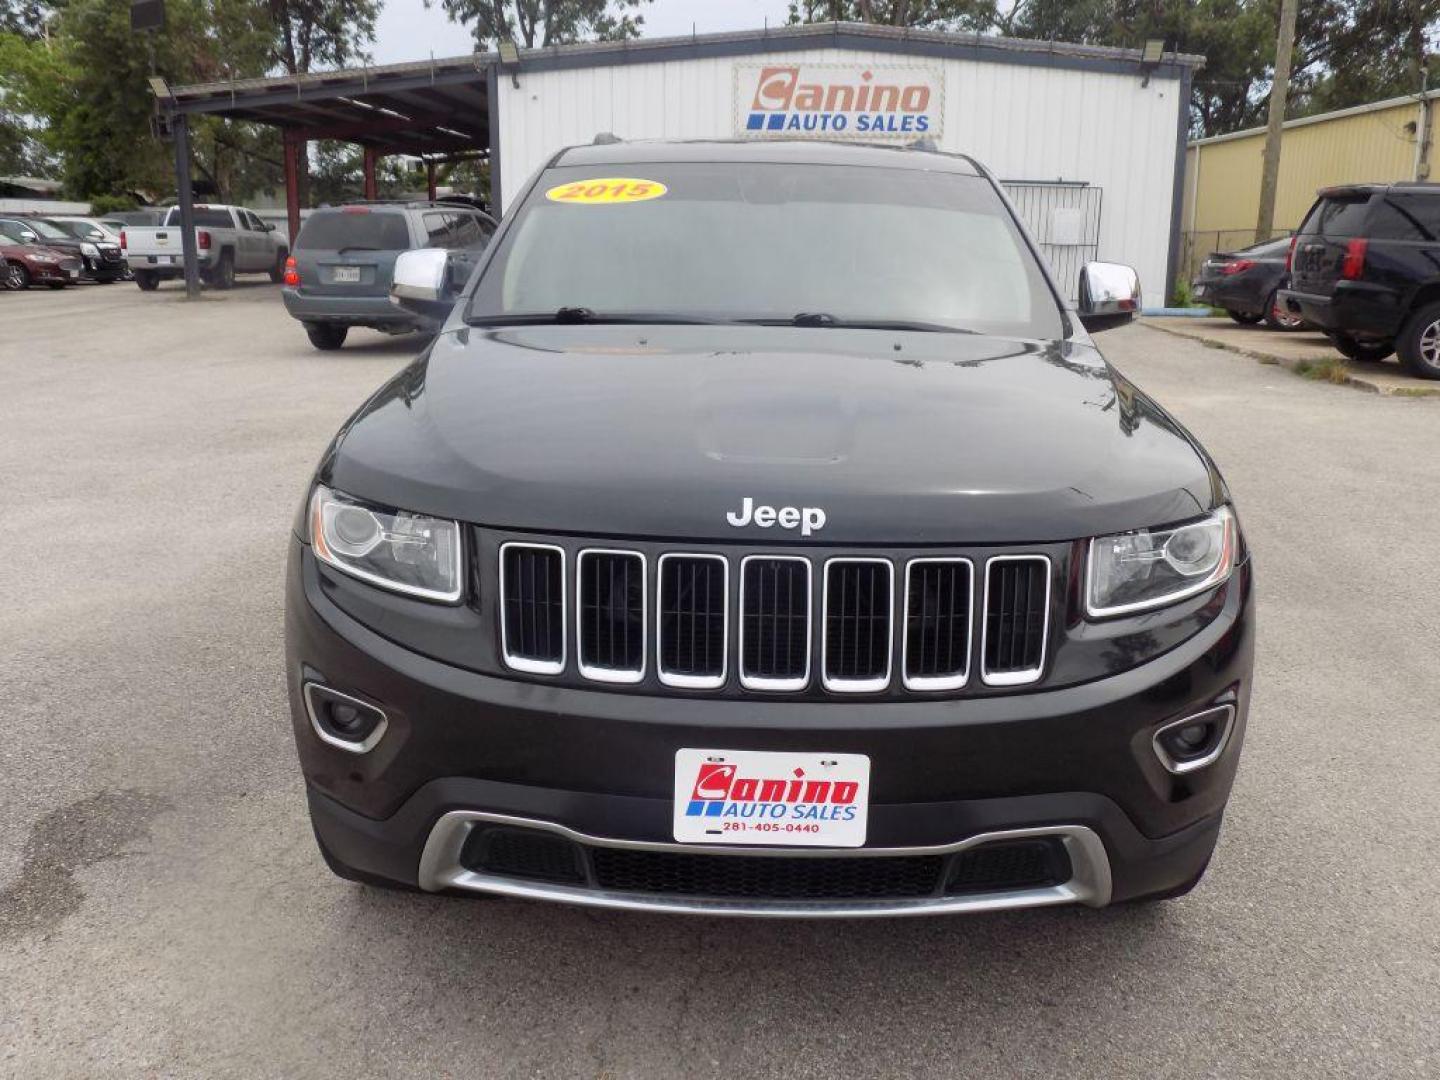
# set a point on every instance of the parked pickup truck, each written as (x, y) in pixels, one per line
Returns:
(229, 240)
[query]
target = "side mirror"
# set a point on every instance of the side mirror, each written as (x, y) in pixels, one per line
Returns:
(1109, 295)
(269, 226)
(422, 283)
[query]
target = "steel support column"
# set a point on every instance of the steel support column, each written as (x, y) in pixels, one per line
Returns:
(294, 148)
(180, 125)
(372, 187)
(430, 180)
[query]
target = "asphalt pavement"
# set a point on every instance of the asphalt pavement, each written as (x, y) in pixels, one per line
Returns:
(164, 912)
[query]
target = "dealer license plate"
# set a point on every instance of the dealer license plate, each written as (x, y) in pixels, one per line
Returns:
(347, 273)
(765, 797)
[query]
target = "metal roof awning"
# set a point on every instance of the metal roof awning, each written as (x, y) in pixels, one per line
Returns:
(426, 108)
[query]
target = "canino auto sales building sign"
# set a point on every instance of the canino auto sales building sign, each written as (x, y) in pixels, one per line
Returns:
(839, 101)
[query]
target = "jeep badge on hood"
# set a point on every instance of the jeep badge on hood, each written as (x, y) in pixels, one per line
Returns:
(808, 518)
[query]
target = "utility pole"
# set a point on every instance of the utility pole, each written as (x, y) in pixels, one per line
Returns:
(1279, 90)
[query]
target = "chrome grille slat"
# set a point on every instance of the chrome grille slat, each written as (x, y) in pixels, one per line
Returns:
(610, 602)
(775, 621)
(692, 620)
(936, 643)
(532, 607)
(1016, 620)
(858, 627)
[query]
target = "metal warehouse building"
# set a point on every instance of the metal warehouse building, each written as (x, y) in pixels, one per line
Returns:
(1089, 141)
(1382, 141)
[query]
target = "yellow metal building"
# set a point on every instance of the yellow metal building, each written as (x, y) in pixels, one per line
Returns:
(1377, 142)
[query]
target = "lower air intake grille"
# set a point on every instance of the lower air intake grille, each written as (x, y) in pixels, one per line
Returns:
(1017, 600)
(858, 604)
(1017, 864)
(611, 615)
(775, 623)
(692, 625)
(532, 588)
(778, 878)
(937, 623)
(523, 853)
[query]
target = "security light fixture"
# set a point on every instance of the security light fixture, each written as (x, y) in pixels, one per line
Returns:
(159, 87)
(1153, 53)
(509, 53)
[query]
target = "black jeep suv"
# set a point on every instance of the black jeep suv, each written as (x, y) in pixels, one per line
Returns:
(762, 534)
(1365, 268)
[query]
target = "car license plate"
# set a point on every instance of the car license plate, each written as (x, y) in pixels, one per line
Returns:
(347, 273)
(766, 797)
(165, 260)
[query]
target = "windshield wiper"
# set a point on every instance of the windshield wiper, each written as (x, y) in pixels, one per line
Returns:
(571, 315)
(825, 319)
(354, 247)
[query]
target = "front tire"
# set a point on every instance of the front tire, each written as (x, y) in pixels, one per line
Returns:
(1362, 350)
(16, 276)
(1244, 318)
(1419, 343)
(1277, 318)
(148, 280)
(326, 336)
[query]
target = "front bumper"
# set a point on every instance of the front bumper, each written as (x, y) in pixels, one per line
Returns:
(462, 747)
(1355, 308)
(372, 311)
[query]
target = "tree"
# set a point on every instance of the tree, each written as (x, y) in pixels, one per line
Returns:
(958, 15)
(546, 22)
(328, 33)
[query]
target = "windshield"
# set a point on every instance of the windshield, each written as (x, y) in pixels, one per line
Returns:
(770, 242)
(354, 227)
(81, 230)
(45, 229)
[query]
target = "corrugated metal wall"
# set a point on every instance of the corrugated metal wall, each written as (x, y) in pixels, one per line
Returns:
(1024, 122)
(1222, 178)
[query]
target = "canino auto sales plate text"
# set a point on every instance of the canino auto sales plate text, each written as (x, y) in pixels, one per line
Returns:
(765, 797)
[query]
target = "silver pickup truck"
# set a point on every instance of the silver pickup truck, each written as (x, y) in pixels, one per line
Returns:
(229, 240)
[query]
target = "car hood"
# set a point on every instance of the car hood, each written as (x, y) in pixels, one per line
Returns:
(664, 431)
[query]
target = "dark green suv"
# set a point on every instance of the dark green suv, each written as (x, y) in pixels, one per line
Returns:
(339, 273)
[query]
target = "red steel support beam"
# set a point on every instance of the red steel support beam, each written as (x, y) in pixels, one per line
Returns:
(372, 186)
(294, 150)
(430, 180)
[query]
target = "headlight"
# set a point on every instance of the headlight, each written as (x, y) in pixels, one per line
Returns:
(91, 250)
(43, 258)
(409, 553)
(1140, 570)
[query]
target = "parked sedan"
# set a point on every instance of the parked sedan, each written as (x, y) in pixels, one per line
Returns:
(1246, 283)
(27, 264)
(97, 232)
(100, 262)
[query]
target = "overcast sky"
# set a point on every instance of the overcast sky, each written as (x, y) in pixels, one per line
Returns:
(408, 30)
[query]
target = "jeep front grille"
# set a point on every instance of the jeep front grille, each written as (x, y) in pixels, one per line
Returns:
(939, 595)
(774, 622)
(856, 618)
(1017, 605)
(610, 615)
(532, 619)
(693, 623)
(859, 602)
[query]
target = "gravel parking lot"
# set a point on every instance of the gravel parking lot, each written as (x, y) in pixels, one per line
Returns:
(164, 912)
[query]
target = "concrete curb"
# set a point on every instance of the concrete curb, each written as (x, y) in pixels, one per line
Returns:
(1357, 380)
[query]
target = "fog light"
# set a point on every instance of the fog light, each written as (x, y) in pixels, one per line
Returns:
(344, 721)
(1193, 742)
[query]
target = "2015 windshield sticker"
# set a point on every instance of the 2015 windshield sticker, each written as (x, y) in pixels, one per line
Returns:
(606, 191)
